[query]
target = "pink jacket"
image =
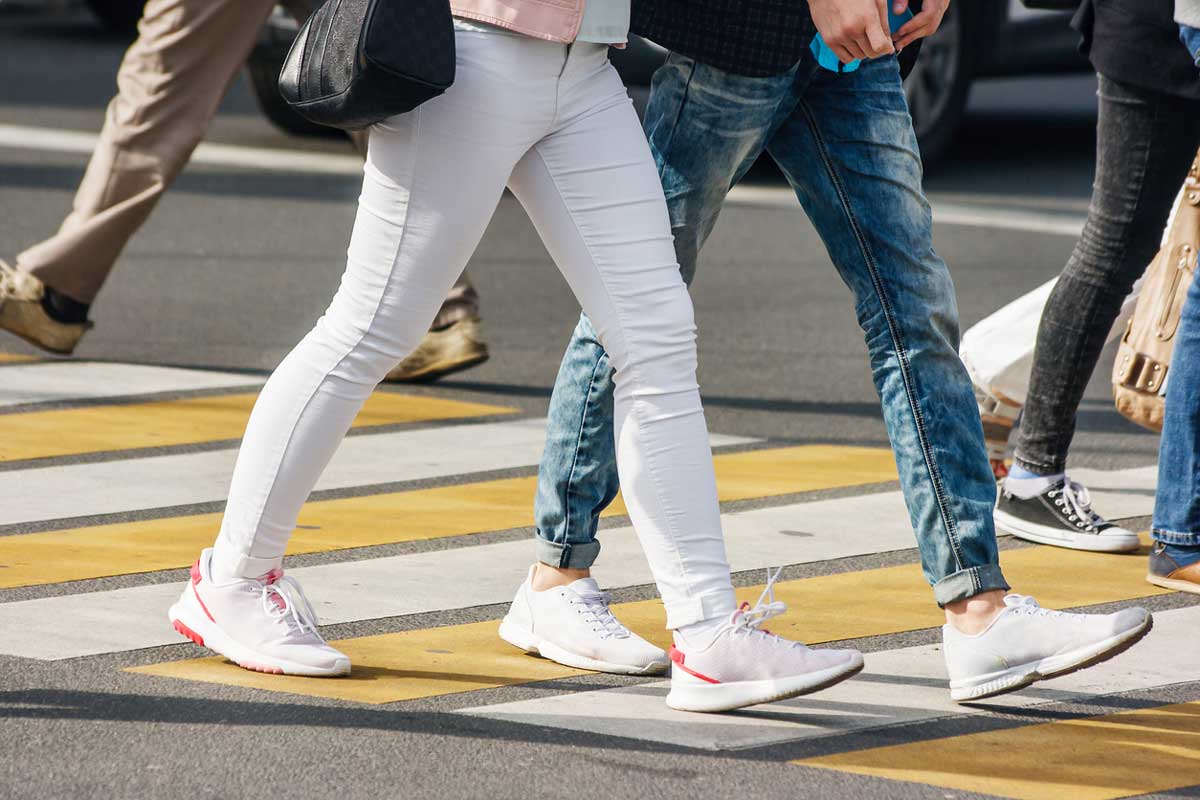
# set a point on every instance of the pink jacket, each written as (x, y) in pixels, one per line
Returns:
(553, 20)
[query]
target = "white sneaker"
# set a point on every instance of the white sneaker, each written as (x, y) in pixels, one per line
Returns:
(1027, 643)
(573, 625)
(265, 625)
(743, 664)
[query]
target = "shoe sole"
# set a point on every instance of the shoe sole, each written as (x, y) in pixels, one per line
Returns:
(205, 633)
(1042, 534)
(19, 324)
(1056, 666)
(709, 698)
(1171, 583)
(526, 640)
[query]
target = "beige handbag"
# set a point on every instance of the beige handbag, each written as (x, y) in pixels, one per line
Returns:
(1144, 359)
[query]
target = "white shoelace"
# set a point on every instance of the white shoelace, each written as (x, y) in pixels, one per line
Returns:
(1024, 604)
(284, 599)
(1075, 499)
(749, 620)
(596, 610)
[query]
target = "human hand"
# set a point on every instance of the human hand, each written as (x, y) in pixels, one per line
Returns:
(921, 25)
(853, 29)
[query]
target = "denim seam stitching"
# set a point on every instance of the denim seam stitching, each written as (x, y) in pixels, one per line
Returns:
(897, 342)
(625, 340)
(346, 353)
(575, 463)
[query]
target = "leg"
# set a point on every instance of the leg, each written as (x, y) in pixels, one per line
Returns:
(851, 155)
(1145, 143)
(168, 88)
(591, 190)
(406, 251)
(705, 128)
(1175, 560)
(866, 201)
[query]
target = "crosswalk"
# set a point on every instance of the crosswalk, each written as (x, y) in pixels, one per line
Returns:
(109, 471)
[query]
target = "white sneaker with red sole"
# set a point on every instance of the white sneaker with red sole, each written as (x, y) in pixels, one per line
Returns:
(264, 624)
(743, 665)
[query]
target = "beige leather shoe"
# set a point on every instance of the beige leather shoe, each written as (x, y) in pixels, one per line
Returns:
(21, 313)
(454, 348)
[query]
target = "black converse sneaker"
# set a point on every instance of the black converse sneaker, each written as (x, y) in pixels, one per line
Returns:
(1061, 515)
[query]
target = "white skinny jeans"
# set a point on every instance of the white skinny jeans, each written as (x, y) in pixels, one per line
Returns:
(554, 124)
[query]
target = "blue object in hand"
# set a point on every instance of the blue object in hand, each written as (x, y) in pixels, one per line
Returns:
(826, 57)
(1191, 40)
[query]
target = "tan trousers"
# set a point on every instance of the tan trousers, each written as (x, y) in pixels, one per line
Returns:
(169, 86)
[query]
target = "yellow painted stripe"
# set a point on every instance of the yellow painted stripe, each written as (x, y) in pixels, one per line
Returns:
(828, 608)
(147, 546)
(74, 431)
(1097, 758)
(13, 358)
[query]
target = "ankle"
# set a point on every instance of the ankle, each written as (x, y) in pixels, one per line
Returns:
(546, 577)
(974, 614)
(1183, 554)
(62, 308)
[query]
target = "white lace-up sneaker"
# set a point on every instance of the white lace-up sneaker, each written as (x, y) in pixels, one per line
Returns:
(574, 625)
(1027, 643)
(265, 625)
(744, 664)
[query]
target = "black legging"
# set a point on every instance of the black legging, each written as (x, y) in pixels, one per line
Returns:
(1145, 144)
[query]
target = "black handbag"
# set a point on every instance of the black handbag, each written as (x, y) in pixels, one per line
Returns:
(1051, 5)
(358, 62)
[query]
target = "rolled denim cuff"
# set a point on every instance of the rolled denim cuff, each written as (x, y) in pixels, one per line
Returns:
(968, 583)
(1175, 537)
(567, 555)
(714, 605)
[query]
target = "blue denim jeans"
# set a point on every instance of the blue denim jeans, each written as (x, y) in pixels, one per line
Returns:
(846, 145)
(1177, 502)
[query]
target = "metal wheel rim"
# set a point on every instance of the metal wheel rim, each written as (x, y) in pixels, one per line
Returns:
(931, 85)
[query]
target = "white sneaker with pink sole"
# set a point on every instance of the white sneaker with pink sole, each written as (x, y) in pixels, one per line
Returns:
(264, 624)
(742, 664)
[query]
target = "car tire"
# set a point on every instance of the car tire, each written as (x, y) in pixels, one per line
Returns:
(939, 84)
(263, 71)
(118, 16)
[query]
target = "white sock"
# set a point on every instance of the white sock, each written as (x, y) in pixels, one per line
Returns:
(698, 634)
(1026, 488)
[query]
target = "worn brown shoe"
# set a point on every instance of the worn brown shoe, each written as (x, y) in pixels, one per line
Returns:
(1166, 572)
(454, 348)
(999, 416)
(22, 313)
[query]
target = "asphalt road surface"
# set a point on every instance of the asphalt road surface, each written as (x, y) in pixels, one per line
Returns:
(115, 464)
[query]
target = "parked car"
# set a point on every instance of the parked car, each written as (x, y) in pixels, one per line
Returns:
(978, 39)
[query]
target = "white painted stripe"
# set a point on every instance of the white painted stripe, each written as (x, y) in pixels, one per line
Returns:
(58, 381)
(271, 159)
(127, 619)
(110, 487)
(897, 687)
(1120, 494)
(57, 140)
(945, 212)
